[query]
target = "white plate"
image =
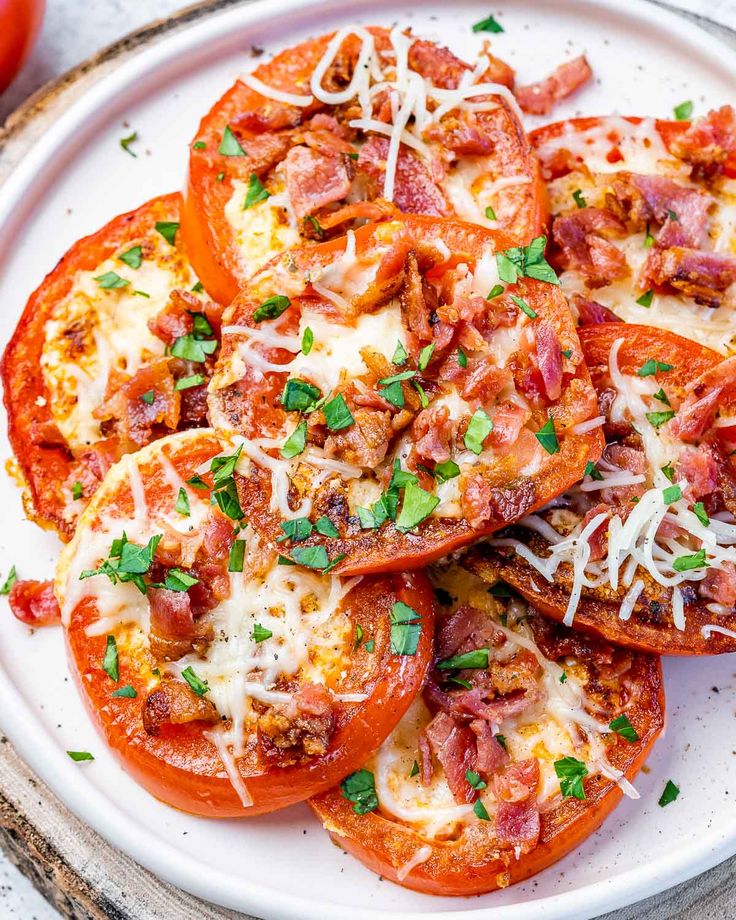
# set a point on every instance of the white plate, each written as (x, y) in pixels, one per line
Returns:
(77, 177)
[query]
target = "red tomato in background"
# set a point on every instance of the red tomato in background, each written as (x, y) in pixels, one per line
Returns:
(20, 21)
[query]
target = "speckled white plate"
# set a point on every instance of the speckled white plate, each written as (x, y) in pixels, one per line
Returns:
(77, 177)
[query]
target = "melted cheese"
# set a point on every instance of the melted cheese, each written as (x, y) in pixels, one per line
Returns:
(262, 230)
(93, 332)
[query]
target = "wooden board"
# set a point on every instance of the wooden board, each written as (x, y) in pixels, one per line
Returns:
(78, 872)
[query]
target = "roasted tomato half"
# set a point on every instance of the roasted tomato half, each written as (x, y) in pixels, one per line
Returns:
(227, 683)
(523, 740)
(642, 551)
(642, 224)
(348, 127)
(396, 399)
(112, 350)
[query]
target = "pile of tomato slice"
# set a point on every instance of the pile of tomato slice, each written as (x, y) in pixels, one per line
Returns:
(371, 493)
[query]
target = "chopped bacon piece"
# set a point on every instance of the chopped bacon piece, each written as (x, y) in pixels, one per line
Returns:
(415, 191)
(174, 703)
(539, 98)
(481, 501)
(425, 757)
(94, 464)
(463, 133)
(508, 420)
(314, 180)
(417, 299)
(433, 432)
(135, 419)
(518, 825)
(466, 629)
(303, 725)
(360, 210)
(584, 246)
(34, 603)
(699, 408)
(598, 539)
(719, 585)
(364, 443)
(437, 64)
(705, 276)
(485, 380)
(646, 198)
(499, 72)
(590, 312)
(264, 149)
(175, 319)
(709, 142)
(454, 746)
(173, 630)
(698, 466)
(518, 781)
(549, 356)
(474, 703)
(492, 756)
(631, 460)
(327, 135)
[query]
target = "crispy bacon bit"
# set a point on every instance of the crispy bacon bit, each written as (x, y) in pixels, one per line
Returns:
(582, 237)
(485, 380)
(598, 540)
(417, 299)
(508, 421)
(363, 444)
(646, 198)
(174, 631)
(415, 191)
(492, 757)
(34, 603)
(482, 502)
(698, 466)
(699, 408)
(360, 210)
(94, 464)
(132, 419)
(499, 72)
(590, 312)
(549, 357)
(454, 746)
(518, 825)
(719, 585)
(437, 64)
(466, 629)
(433, 432)
(709, 142)
(174, 703)
(539, 98)
(314, 180)
(705, 276)
(304, 725)
(425, 758)
(175, 319)
(518, 781)
(463, 133)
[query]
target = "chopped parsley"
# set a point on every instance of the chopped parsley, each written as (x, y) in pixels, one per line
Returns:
(315, 225)
(462, 358)
(495, 291)
(230, 145)
(298, 395)
(307, 341)
(394, 394)
(683, 111)
(490, 213)
(182, 503)
(414, 770)
(360, 789)
(369, 646)
(570, 773)
(255, 193)
(547, 437)
(526, 262)
(197, 288)
(125, 143)
(77, 490)
(563, 677)
(479, 427)
(271, 308)
(670, 793)
(127, 691)
(651, 367)
(423, 398)
(592, 470)
(198, 686)
(646, 298)
(406, 627)
(236, 557)
(445, 471)
(524, 306)
(474, 780)
(477, 659)
(179, 580)
(480, 811)
(79, 756)
(671, 494)
(110, 664)
(311, 557)
(692, 561)
(701, 514)
(672, 214)
(502, 741)
(623, 727)
(199, 145)
(425, 356)
(657, 419)
(195, 345)
(127, 562)
(669, 472)
(325, 526)
(400, 355)
(337, 415)
(418, 505)
(186, 383)
(111, 281)
(296, 530)
(260, 633)
(132, 257)
(648, 239)
(168, 230)
(579, 199)
(489, 24)
(296, 442)
(661, 396)
(9, 582)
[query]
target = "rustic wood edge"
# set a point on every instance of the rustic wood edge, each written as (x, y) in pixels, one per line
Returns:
(58, 861)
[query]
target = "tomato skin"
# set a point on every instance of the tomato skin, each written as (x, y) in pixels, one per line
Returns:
(471, 864)
(20, 21)
(206, 231)
(46, 467)
(179, 765)
(597, 612)
(387, 549)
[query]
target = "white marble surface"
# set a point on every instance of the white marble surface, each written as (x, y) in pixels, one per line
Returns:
(72, 31)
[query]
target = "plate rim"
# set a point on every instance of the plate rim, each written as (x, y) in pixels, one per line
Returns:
(17, 716)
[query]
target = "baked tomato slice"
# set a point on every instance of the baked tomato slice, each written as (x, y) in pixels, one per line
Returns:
(227, 683)
(524, 738)
(390, 385)
(642, 226)
(348, 127)
(87, 374)
(642, 551)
